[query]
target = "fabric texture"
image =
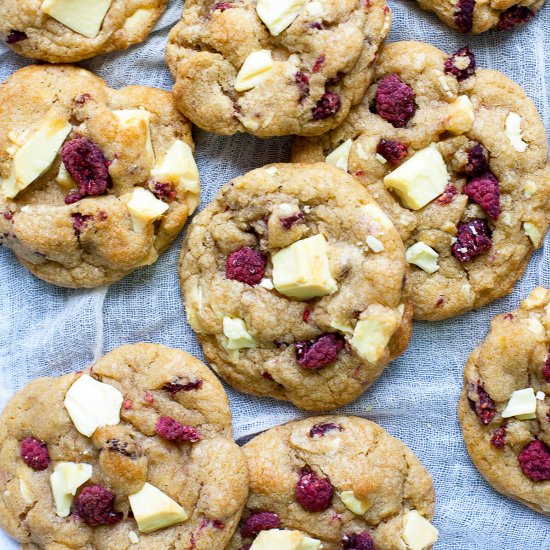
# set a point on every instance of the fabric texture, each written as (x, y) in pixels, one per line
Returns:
(48, 331)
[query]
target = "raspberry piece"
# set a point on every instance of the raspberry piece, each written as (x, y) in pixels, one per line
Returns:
(72, 197)
(394, 101)
(289, 221)
(94, 505)
(322, 429)
(484, 190)
(448, 195)
(316, 25)
(246, 265)
(8, 215)
(87, 166)
(163, 191)
(302, 79)
(464, 15)
(327, 106)
(80, 221)
(393, 151)
(15, 36)
(477, 161)
(221, 6)
(319, 352)
(34, 453)
(319, 62)
(546, 369)
(312, 493)
(306, 315)
(499, 437)
(481, 403)
(182, 384)
(516, 15)
(473, 238)
(461, 64)
(172, 430)
(259, 521)
(358, 541)
(535, 461)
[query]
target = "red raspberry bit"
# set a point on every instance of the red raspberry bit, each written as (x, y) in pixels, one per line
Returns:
(448, 195)
(358, 541)
(221, 6)
(72, 197)
(473, 238)
(498, 439)
(316, 25)
(319, 62)
(535, 461)
(34, 453)
(172, 430)
(464, 15)
(440, 301)
(163, 191)
(327, 106)
(8, 215)
(259, 521)
(15, 36)
(289, 221)
(322, 429)
(394, 101)
(320, 352)
(83, 98)
(516, 15)
(546, 369)
(312, 493)
(94, 505)
(266, 375)
(127, 404)
(509, 316)
(484, 190)
(102, 215)
(478, 162)
(246, 266)
(182, 384)
(80, 222)
(481, 403)
(306, 315)
(393, 151)
(148, 397)
(461, 64)
(302, 80)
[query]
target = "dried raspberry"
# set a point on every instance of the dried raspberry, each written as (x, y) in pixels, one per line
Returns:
(499, 437)
(393, 151)
(316, 25)
(322, 429)
(473, 238)
(127, 405)
(448, 195)
(182, 384)
(306, 315)
(481, 403)
(82, 98)
(312, 493)
(148, 397)
(94, 505)
(8, 215)
(172, 430)
(259, 521)
(86, 165)
(266, 375)
(394, 101)
(477, 161)
(163, 191)
(302, 79)
(327, 106)
(319, 62)
(80, 222)
(484, 190)
(246, 265)
(464, 15)
(319, 352)
(440, 301)
(289, 221)
(535, 461)
(546, 369)
(34, 453)
(461, 64)
(358, 541)
(72, 197)
(221, 6)
(15, 36)
(516, 15)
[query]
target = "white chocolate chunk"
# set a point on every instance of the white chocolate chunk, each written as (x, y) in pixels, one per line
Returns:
(64, 179)
(279, 539)
(144, 208)
(540, 395)
(133, 536)
(340, 156)
(138, 122)
(26, 492)
(341, 326)
(278, 15)
(351, 502)
(255, 70)
(267, 283)
(536, 298)
(374, 244)
(522, 405)
(193, 305)
(237, 334)
(137, 20)
(302, 270)
(420, 179)
(461, 115)
(65, 480)
(514, 132)
(92, 404)
(533, 232)
(154, 510)
(536, 327)
(529, 189)
(418, 532)
(82, 16)
(380, 158)
(423, 256)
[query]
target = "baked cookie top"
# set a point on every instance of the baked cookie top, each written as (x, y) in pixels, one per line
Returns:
(66, 31)
(272, 67)
(470, 16)
(94, 182)
(342, 482)
(504, 409)
(135, 452)
(295, 282)
(457, 157)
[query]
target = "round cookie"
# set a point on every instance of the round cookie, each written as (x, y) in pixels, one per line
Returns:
(59, 31)
(457, 157)
(343, 481)
(469, 16)
(172, 445)
(94, 182)
(295, 282)
(504, 409)
(271, 69)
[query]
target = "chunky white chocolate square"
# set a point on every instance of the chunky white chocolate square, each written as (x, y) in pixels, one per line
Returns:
(82, 16)
(514, 132)
(522, 405)
(144, 208)
(279, 539)
(533, 232)
(424, 256)
(536, 298)
(339, 158)
(351, 502)
(375, 244)
(65, 480)
(461, 116)
(236, 332)
(255, 69)
(138, 122)
(418, 532)
(278, 15)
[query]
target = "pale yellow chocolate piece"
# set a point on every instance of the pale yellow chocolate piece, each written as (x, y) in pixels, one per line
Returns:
(65, 480)
(82, 16)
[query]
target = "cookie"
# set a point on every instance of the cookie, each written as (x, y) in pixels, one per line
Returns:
(66, 31)
(504, 409)
(469, 16)
(457, 157)
(295, 283)
(135, 452)
(273, 68)
(342, 482)
(94, 182)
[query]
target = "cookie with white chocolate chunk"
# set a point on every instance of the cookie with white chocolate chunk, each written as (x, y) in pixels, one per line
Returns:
(335, 483)
(134, 452)
(94, 182)
(457, 158)
(296, 284)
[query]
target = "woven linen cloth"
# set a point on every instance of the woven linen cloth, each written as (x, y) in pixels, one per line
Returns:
(49, 331)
